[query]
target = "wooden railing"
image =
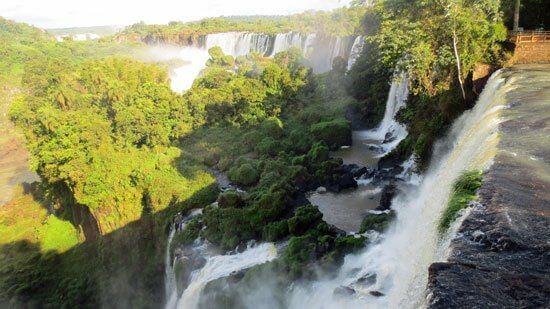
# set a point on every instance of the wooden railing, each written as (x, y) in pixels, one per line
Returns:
(530, 36)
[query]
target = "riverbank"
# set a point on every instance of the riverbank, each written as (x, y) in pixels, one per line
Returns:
(500, 257)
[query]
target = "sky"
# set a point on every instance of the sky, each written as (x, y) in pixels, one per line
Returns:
(80, 13)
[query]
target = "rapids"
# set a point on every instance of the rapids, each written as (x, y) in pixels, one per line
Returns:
(400, 260)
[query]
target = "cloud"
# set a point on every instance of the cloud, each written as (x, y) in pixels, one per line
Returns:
(78, 13)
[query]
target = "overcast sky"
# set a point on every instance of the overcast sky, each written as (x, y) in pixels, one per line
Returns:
(80, 13)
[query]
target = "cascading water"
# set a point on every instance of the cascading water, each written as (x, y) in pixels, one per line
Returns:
(170, 287)
(389, 130)
(182, 77)
(320, 51)
(220, 266)
(393, 272)
(356, 50)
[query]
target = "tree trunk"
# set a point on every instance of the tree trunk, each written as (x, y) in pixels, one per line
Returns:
(459, 70)
(516, 16)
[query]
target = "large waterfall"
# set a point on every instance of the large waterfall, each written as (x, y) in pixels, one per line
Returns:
(399, 262)
(319, 51)
(389, 130)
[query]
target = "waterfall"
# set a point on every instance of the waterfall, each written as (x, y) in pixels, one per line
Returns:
(318, 50)
(356, 50)
(169, 275)
(181, 78)
(170, 287)
(389, 130)
(220, 266)
(400, 260)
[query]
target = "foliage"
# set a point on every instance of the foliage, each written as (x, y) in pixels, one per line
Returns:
(58, 235)
(464, 191)
(335, 133)
(230, 198)
(438, 44)
(376, 222)
(339, 22)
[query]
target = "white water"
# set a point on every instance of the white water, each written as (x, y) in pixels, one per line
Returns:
(319, 51)
(182, 77)
(169, 275)
(397, 98)
(356, 50)
(220, 266)
(401, 259)
(170, 287)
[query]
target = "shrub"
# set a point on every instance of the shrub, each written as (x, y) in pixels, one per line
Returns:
(376, 222)
(189, 234)
(304, 218)
(230, 198)
(299, 251)
(300, 141)
(273, 127)
(334, 133)
(464, 191)
(268, 147)
(245, 175)
(318, 153)
(275, 231)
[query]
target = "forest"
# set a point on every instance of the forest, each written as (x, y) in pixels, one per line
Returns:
(119, 154)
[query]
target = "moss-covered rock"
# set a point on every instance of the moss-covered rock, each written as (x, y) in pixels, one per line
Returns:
(464, 191)
(334, 133)
(376, 222)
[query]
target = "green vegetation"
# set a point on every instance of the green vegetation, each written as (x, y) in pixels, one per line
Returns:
(464, 191)
(339, 22)
(119, 153)
(376, 222)
(438, 45)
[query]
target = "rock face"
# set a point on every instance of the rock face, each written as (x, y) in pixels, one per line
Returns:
(502, 259)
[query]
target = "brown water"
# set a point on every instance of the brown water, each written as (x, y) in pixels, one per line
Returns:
(360, 153)
(346, 209)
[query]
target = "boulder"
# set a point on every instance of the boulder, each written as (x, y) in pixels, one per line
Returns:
(343, 291)
(388, 192)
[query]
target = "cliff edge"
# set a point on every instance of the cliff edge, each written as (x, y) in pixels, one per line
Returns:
(501, 255)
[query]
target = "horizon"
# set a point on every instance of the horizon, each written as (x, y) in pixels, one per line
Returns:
(62, 14)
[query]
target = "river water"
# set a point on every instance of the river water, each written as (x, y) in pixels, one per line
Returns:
(346, 210)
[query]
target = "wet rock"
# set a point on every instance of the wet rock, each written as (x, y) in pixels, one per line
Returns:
(388, 138)
(376, 293)
(347, 182)
(367, 280)
(343, 291)
(321, 190)
(388, 192)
